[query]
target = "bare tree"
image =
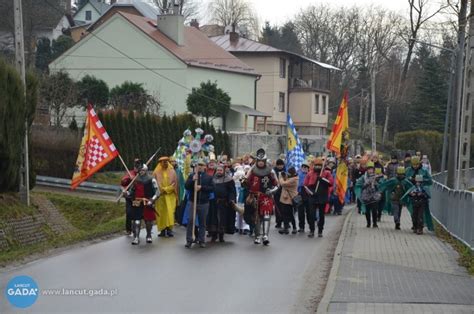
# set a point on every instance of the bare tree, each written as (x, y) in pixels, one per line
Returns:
(59, 93)
(420, 13)
(188, 8)
(235, 13)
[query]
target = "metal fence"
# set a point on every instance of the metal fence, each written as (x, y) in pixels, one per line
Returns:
(453, 209)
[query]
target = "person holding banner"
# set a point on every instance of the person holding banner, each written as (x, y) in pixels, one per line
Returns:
(204, 187)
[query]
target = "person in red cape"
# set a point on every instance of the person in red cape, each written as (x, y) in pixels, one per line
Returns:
(143, 193)
(262, 184)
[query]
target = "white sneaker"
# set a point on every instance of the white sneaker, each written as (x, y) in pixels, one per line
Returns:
(265, 240)
(136, 241)
(257, 240)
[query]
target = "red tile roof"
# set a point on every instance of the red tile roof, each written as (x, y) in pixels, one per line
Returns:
(198, 50)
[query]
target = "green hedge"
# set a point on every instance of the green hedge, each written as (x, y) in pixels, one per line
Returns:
(427, 142)
(140, 135)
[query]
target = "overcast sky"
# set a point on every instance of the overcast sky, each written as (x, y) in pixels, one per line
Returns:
(279, 11)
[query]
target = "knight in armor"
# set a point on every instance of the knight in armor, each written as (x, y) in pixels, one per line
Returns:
(316, 186)
(262, 184)
(222, 216)
(143, 193)
(126, 180)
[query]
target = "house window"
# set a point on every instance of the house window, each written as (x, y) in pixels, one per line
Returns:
(281, 102)
(282, 67)
(324, 104)
(88, 15)
(316, 104)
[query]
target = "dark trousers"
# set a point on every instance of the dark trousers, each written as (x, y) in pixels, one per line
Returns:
(321, 219)
(128, 213)
(288, 215)
(201, 214)
(418, 210)
(279, 215)
(304, 210)
(371, 210)
(338, 206)
(397, 211)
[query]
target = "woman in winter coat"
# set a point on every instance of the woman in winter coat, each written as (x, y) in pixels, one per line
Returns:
(369, 195)
(289, 185)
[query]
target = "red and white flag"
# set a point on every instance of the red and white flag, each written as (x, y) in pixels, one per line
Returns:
(96, 149)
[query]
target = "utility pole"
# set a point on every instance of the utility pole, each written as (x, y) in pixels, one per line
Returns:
(457, 100)
(464, 147)
(20, 66)
(372, 112)
(449, 109)
(361, 109)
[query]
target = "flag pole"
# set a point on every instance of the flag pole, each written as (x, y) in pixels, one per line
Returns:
(126, 168)
(133, 180)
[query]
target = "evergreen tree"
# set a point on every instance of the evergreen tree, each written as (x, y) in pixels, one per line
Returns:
(60, 45)
(429, 105)
(209, 101)
(12, 125)
(94, 91)
(43, 54)
(73, 125)
(133, 138)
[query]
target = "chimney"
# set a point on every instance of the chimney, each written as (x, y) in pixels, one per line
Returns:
(194, 23)
(234, 37)
(172, 25)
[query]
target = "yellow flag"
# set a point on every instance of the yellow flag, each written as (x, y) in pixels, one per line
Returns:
(340, 126)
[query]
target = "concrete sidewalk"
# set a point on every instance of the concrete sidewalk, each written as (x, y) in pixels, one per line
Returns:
(395, 271)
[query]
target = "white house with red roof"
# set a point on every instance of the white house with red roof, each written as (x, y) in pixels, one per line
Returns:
(168, 58)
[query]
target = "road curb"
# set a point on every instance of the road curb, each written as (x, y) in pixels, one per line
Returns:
(331, 284)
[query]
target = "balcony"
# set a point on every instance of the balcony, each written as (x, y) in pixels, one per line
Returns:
(305, 75)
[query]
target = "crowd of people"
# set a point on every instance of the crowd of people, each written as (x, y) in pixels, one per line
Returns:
(224, 196)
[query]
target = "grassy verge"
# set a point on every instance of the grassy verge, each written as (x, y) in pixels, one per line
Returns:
(112, 178)
(11, 208)
(92, 219)
(466, 256)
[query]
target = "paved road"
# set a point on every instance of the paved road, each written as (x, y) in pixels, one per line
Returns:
(235, 276)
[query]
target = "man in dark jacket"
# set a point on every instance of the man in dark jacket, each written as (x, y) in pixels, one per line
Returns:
(279, 168)
(222, 215)
(316, 185)
(204, 187)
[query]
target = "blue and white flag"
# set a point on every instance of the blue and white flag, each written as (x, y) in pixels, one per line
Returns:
(295, 153)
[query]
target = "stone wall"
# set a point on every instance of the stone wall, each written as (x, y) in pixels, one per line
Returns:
(244, 143)
(35, 228)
